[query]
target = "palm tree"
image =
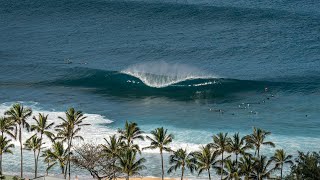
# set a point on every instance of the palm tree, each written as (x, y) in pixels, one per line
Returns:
(206, 159)
(160, 140)
(246, 166)
(130, 133)
(261, 168)
(238, 146)
(19, 115)
(64, 134)
(129, 164)
(181, 159)
(306, 167)
(42, 126)
(230, 170)
(7, 126)
(5, 147)
(257, 139)
(48, 159)
(57, 154)
(33, 144)
(281, 158)
(112, 149)
(221, 143)
(68, 130)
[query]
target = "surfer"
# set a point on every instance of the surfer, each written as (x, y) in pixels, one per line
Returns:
(67, 61)
(253, 112)
(217, 110)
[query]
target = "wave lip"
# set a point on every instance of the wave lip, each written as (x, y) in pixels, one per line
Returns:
(160, 75)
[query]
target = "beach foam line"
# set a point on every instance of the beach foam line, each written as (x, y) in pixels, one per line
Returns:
(94, 133)
(99, 129)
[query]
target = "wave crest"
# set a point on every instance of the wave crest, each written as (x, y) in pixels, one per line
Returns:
(162, 74)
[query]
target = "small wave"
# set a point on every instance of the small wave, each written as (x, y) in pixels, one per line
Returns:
(162, 74)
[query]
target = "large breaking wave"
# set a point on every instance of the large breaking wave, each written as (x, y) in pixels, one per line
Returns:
(173, 81)
(163, 74)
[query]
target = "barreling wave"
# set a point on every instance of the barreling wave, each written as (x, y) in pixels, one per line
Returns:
(188, 84)
(162, 74)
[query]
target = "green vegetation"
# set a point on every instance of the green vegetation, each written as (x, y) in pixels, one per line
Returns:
(33, 144)
(221, 143)
(41, 127)
(5, 147)
(129, 164)
(182, 160)
(68, 131)
(306, 167)
(206, 159)
(19, 115)
(230, 158)
(160, 139)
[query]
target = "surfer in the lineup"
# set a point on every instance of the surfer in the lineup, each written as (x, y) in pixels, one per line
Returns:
(217, 110)
(67, 61)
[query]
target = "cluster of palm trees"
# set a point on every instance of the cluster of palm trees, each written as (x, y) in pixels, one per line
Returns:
(230, 157)
(233, 157)
(15, 120)
(123, 151)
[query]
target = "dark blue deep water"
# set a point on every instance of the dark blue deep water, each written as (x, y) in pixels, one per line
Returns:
(167, 63)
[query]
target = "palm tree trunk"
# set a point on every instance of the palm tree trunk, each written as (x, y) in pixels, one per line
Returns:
(281, 172)
(69, 159)
(236, 159)
(62, 169)
(221, 166)
(162, 166)
(38, 155)
(21, 155)
(1, 164)
(35, 164)
(47, 170)
(182, 172)
(258, 149)
(66, 169)
(209, 174)
(113, 170)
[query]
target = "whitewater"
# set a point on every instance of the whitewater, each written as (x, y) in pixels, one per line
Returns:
(163, 74)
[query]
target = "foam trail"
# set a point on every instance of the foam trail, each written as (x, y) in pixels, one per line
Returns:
(163, 74)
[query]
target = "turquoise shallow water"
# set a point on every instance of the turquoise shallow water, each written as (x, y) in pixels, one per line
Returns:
(164, 63)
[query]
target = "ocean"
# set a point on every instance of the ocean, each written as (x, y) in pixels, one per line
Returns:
(196, 67)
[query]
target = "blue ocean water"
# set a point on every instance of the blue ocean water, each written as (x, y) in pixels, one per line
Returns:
(195, 67)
